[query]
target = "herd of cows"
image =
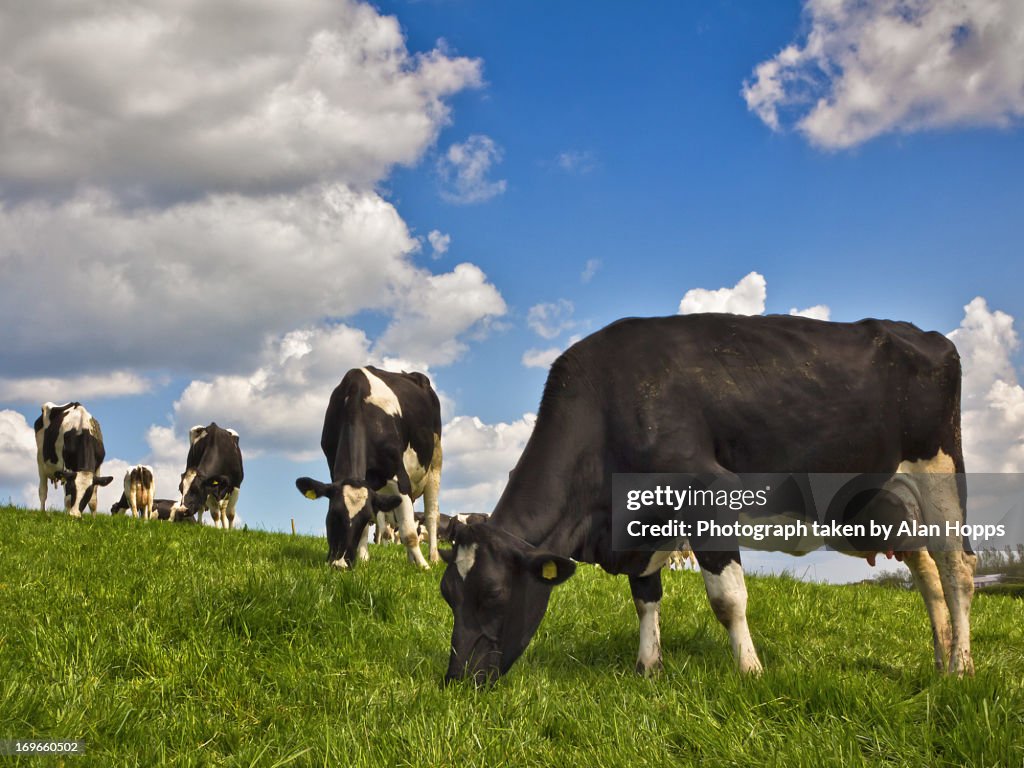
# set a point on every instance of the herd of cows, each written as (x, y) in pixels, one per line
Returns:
(711, 393)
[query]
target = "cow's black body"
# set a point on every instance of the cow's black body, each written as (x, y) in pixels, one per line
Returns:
(70, 450)
(213, 474)
(379, 427)
(712, 394)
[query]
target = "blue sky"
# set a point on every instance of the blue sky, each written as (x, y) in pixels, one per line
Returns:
(216, 220)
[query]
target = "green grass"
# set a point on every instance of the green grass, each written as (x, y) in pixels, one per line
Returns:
(182, 645)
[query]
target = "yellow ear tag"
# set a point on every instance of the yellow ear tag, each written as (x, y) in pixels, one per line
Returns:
(310, 494)
(215, 482)
(549, 570)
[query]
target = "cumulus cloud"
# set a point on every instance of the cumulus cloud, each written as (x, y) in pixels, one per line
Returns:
(182, 99)
(17, 450)
(745, 298)
(817, 312)
(992, 397)
(465, 168)
(870, 68)
(549, 320)
(439, 243)
(63, 390)
(247, 266)
(477, 460)
(429, 328)
(589, 270)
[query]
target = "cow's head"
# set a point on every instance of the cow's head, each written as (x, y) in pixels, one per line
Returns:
(352, 505)
(498, 588)
(79, 488)
(196, 488)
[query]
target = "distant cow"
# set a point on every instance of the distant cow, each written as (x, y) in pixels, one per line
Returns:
(139, 490)
(212, 476)
(69, 450)
(715, 394)
(446, 527)
(382, 440)
(163, 509)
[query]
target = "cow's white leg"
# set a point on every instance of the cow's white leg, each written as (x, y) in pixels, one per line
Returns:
(727, 593)
(431, 492)
(926, 578)
(42, 492)
(363, 550)
(94, 501)
(214, 509)
(646, 591)
(936, 483)
(229, 508)
(407, 530)
(133, 501)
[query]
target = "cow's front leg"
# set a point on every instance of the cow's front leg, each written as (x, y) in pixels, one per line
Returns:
(228, 507)
(727, 593)
(213, 506)
(407, 530)
(361, 525)
(646, 591)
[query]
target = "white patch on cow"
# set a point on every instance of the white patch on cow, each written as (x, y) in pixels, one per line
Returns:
(196, 433)
(231, 432)
(465, 559)
(657, 561)
(649, 657)
(355, 499)
(727, 593)
(940, 462)
(417, 473)
(381, 395)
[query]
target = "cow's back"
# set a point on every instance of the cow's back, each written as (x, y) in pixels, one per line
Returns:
(763, 394)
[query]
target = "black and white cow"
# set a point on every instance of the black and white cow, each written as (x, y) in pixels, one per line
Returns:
(69, 450)
(139, 490)
(712, 394)
(382, 440)
(163, 509)
(213, 474)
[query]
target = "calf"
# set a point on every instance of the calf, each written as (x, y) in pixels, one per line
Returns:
(69, 450)
(212, 476)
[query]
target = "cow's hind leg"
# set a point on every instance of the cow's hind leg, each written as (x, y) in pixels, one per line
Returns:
(646, 592)
(229, 508)
(727, 593)
(407, 530)
(431, 510)
(42, 492)
(926, 578)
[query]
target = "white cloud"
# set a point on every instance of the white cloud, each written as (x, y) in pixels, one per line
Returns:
(541, 358)
(188, 98)
(745, 298)
(63, 390)
(817, 312)
(549, 320)
(576, 161)
(464, 170)
(477, 460)
(869, 68)
(428, 327)
(439, 243)
(254, 265)
(589, 270)
(17, 451)
(992, 397)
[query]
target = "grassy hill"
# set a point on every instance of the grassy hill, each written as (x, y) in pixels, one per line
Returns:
(184, 645)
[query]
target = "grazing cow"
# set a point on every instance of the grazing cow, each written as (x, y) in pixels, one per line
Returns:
(446, 527)
(212, 476)
(681, 559)
(382, 440)
(163, 509)
(713, 394)
(139, 490)
(69, 449)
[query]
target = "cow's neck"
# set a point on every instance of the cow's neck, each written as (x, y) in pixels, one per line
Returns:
(556, 487)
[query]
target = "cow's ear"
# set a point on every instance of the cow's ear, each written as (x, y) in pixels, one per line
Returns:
(386, 503)
(104, 480)
(313, 489)
(549, 568)
(448, 555)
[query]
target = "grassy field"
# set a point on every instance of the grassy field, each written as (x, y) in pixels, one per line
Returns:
(181, 645)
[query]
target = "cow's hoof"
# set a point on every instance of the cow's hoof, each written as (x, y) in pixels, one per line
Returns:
(649, 670)
(340, 564)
